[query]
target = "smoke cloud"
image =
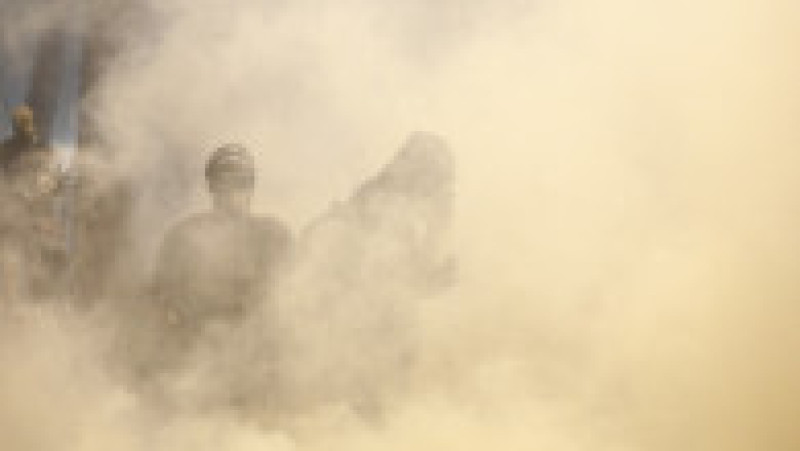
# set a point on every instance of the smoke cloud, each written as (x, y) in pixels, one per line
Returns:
(625, 215)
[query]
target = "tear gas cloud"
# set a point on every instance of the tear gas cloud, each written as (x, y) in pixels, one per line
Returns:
(625, 212)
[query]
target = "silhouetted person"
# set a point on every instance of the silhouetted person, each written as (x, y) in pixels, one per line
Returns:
(100, 210)
(31, 236)
(218, 267)
(363, 267)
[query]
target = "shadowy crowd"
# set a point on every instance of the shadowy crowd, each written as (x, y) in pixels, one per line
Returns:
(238, 312)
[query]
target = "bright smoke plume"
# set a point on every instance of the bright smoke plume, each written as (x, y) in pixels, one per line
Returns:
(626, 212)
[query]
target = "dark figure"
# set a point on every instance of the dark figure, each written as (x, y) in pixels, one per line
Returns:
(218, 267)
(23, 138)
(33, 254)
(100, 210)
(362, 269)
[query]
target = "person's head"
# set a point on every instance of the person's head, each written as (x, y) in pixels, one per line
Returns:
(423, 168)
(22, 122)
(425, 163)
(230, 173)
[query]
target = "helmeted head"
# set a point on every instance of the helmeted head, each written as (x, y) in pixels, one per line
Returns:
(23, 123)
(230, 173)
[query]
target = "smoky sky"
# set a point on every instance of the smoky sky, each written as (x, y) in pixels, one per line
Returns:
(626, 201)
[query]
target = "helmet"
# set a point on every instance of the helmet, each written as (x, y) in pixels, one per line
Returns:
(22, 120)
(231, 165)
(22, 113)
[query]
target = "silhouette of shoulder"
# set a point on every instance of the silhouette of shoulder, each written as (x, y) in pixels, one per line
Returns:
(257, 231)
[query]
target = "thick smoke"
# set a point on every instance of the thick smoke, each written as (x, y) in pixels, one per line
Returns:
(624, 223)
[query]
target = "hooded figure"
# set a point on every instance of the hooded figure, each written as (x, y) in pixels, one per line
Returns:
(361, 270)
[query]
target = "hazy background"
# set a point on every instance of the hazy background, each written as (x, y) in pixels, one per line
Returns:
(626, 219)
